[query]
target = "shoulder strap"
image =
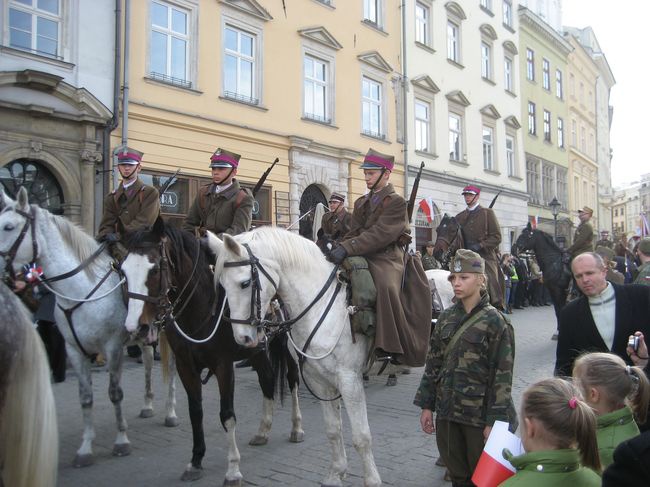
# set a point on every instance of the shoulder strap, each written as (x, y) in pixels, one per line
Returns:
(203, 194)
(241, 194)
(458, 334)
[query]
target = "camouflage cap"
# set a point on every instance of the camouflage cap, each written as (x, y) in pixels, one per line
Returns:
(644, 246)
(468, 261)
(605, 252)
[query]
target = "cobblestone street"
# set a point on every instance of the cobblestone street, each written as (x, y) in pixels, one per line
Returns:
(404, 455)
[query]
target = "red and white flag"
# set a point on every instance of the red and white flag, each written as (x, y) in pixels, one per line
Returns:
(427, 207)
(533, 221)
(492, 469)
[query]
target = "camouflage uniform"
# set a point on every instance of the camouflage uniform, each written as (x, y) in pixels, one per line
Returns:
(429, 262)
(644, 275)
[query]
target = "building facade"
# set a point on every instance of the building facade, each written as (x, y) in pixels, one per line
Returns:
(56, 102)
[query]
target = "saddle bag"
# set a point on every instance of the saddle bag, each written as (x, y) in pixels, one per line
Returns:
(362, 295)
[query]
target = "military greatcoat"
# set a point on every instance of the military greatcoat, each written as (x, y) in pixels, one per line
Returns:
(229, 211)
(480, 226)
(136, 208)
(583, 240)
(378, 220)
(336, 223)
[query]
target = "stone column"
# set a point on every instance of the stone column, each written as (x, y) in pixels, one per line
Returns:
(88, 161)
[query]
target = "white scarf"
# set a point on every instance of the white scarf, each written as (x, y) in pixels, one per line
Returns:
(603, 310)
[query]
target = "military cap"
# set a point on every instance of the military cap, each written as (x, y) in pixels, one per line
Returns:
(430, 243)
(644, 246)
(337, 197)
(224, 158)
(377, 160)
(586, 209)
(605, 252)
(468, 261)
(126, 155)
(604, 232)
(471, 189)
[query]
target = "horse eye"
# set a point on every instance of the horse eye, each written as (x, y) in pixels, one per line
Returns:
(8, 227)
(245, 284)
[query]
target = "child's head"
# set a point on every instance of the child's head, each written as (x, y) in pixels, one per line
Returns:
(555, 417)
(608, 384)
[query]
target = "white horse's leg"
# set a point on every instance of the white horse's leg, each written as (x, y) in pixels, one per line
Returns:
(262, 436)
(147, 360)
(333, 428)
(81, 365)
(233, 474)
(297, 433)
(122, 446)
(170, 406)
(354, 397)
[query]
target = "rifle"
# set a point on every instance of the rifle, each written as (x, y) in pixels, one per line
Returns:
(414, 192)
(494, 200)
(168, 183)
(259, 184)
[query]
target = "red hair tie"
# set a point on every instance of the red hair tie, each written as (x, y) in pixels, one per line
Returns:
(573, 402)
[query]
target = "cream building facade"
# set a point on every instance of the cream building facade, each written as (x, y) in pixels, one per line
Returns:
(314, 84)
(463, 109)
(56, 102)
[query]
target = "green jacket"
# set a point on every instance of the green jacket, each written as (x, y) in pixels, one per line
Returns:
(470, 383)
(644, 275)
(583, 240)
(613, 429)
(429, 262)
(135, 209)
(556, 468)
(227, 212)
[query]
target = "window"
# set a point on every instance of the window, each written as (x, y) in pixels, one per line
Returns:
(560, 133)
(583, 139)
(574, 134)
(422, 126)
(316, 103)
(622, 211)
(453, 42)
(533, 181)
(488, 148)
(35, 26)
(510, 156)
(572, 85)
(455, 137)
(507, 13)
(547, 126)
(562, 190)
(169, 44)
(548, 183)
(422, 24)
(371, 108)
(546, 74)
(507, 74)
(487, 5)
(582, 93)
(486, 61)
(372, 12)
(559, 91)
(530, 64)
(239, 65)
(532, 127)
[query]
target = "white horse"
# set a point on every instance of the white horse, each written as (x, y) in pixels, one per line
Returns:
(29, 445)
(96, 309)
(295, 269)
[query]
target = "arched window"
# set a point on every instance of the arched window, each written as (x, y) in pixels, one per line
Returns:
(308, 201)
(41, 185)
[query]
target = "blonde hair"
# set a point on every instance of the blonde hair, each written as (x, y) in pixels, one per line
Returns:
(567, 419)
(615, 380)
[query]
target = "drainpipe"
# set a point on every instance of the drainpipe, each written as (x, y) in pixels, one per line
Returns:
(125, 80)
(404, 83)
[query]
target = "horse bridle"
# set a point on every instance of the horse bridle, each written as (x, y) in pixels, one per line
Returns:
(447, 254)
(10, 255)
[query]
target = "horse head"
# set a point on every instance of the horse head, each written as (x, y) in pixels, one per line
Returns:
(526, 239)
(249, 284)
(148, 280)
(448, 238)
(17, 247)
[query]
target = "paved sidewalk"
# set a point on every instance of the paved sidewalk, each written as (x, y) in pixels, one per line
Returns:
(404, 455)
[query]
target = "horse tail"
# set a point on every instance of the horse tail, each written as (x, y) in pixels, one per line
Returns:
(165, 354)
(279, 351)
(29, 434)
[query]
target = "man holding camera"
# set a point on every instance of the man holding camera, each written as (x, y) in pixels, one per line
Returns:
(604, 319)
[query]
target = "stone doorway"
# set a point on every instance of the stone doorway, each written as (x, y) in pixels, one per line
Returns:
(43, 188)
(311, 196)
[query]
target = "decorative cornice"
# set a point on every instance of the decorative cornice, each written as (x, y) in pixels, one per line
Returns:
(490, 111)
(455, 9)
(251, 7)
(511, 121)
(510, 47)
(546, 32)
(488, 31)
(424, 82)
(374, 59)
(322, 36)
(457, 96)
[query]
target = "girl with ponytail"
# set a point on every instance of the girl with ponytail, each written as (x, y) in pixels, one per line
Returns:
(559, 435)
(618, 394)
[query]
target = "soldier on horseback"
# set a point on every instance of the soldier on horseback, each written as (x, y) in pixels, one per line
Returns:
(336, 222)
(482, 234)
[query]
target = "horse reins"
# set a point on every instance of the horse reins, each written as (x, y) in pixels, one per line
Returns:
(446, 256)
(10, 255)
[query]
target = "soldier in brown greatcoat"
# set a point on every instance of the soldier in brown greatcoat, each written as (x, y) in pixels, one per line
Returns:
(336, 222)
(221, 206)
(482, 235)
(133, 205)
(378, 221)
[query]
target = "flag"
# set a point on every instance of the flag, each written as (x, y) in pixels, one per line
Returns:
(645, 228)
(492, 468)
(533, 221)
(427, 207)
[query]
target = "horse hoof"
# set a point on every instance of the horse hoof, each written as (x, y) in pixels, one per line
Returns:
(191, 474)
(171, 421)
(258, 440)
(146, 413)
(232, 483)
(83, 460)
(392, 381)
(297, 437)
(122, 449)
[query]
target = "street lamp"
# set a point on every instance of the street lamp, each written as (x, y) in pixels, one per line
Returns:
(555, 209)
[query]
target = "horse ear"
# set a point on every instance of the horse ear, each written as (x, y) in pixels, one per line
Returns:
(23, 199)
(232, 246)
(529, 227)
(158, 226)
(214, 243)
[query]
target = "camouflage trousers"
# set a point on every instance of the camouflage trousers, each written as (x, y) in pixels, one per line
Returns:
(460, 447)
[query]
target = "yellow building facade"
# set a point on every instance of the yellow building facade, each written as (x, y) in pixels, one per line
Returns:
(314, 85)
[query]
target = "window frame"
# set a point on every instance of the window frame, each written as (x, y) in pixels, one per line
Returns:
(428, 125)
(559, 88)
(487, 146)
(546, 74)
(423, 24)
(453, 41)
(511, 155)
(507, 14)
(486, 60)
(560, 132)
(532, 118)
(508, 74)
(546, 117)
(530, 64)
(455, 113)
(381, 132)
(378, 21)
(35, 13)
(326, 86)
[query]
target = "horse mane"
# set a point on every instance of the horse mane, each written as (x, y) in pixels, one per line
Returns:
(289, 249)
(548, 239)
(81, 244)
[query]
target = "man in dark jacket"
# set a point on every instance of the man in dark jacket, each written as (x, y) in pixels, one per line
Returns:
(603, 319)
